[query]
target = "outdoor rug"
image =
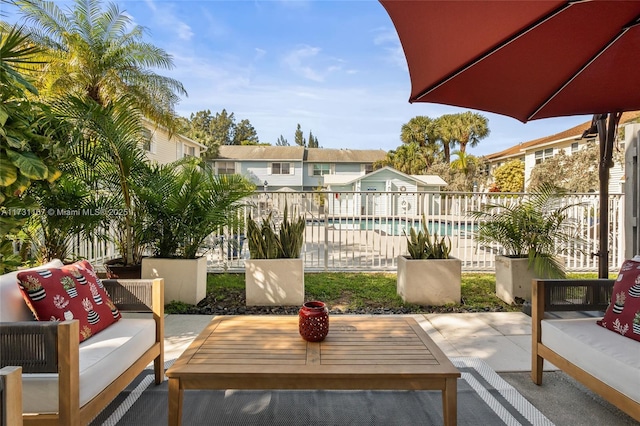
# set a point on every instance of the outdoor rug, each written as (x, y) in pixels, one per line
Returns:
(484, 398)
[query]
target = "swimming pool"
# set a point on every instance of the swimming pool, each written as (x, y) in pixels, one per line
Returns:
(397, 226)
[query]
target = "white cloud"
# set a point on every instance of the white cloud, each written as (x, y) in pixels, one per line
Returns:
(151, 4)
(388, 40)
(385, 36)
(260, 53)
(308, 62)
(165, 16)
(296, 60)
(184, 31)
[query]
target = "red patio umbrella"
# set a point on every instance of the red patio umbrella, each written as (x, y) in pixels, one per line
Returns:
(528, 60)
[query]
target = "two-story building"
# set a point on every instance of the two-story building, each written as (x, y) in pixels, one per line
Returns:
(295, 168)
(571, 140)
(164, 148)
(347, 173)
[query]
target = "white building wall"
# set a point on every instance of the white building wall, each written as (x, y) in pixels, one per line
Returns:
(166, 150)
(616, 173)
(260, 171)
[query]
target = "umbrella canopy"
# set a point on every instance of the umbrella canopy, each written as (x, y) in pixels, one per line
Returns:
(528, 60)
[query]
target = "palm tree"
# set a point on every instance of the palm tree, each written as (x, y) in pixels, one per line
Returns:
(539, 228)
(409, 158)
(462, 129)
(186, 201)
(52, 231)
(469, 129)
(444, 131)
(99, 54)
(465, 163)
(108, 152)
(418, 130)
(419, 149)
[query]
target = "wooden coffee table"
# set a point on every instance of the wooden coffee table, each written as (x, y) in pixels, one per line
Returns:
(266, 352)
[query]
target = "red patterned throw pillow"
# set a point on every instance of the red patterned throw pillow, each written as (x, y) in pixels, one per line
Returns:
(69, 292)
(623, 314)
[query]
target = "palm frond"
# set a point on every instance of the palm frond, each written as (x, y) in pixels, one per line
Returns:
(539, 227)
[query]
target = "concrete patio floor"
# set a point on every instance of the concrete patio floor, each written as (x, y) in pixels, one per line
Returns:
(501, 339)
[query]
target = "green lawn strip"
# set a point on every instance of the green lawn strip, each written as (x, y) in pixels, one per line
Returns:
(346, 290)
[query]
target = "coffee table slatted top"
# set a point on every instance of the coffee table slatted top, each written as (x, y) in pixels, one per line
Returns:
(357, 346)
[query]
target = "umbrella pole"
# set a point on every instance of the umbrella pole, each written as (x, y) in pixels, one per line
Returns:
(606, 135)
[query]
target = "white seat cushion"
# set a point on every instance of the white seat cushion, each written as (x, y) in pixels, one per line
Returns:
(606, 355)
(12, 304)
(103, 358)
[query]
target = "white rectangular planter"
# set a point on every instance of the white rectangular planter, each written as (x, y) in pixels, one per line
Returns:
(429, 282)
(274, 282)
(185, 280)
(513, 278)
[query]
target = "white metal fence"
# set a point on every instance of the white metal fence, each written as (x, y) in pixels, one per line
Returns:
(365, 231)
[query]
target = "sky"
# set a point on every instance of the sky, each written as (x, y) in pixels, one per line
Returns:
(335, 67)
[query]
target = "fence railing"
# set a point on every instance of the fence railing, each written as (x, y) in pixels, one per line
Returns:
(365, 231)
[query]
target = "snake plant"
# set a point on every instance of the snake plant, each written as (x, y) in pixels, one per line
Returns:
(268, 241)
(421, 245)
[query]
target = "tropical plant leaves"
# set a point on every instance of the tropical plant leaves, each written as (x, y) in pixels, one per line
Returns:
(8, 172)
(539, 227)
(29, 164)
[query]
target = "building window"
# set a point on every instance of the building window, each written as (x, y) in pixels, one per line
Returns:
(281, 169)
(543, 155)
(321, 169)
(226, 167)
(148, 145)
(574, 147)
(189, 151)
(367, 168)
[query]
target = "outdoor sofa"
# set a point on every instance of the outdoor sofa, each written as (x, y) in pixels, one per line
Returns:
(68, 382)
(11, 391)
(606, 362)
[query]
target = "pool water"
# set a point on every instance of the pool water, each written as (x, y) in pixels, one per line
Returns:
(402, 226)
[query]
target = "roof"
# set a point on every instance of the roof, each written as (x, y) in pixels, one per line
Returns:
(325, 155)
(261, 152)
(430, 179)
(299, 153)
(420, 179)
(574, 132)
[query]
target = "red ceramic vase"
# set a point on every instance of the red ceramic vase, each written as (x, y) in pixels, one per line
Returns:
(313, 321)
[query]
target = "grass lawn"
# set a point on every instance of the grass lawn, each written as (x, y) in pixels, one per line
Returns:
(359, 292)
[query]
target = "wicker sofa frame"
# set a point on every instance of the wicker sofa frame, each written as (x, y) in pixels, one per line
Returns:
(53, 347)
(572, 295)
